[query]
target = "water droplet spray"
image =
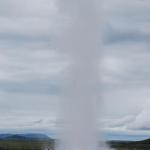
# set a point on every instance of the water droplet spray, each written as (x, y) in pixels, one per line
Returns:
(81, 42)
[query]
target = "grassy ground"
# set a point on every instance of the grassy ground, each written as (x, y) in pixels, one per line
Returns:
(130, 146)
(25, 145)
(135, 148)
(41, 145)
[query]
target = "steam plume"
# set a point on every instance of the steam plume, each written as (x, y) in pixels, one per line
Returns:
(80, 41)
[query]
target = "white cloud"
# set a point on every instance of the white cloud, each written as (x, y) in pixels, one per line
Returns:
(30, 112)
(125, 63)
(30, 69)
(142, 121)
(125, 71)
(28, 32)
(30, 64)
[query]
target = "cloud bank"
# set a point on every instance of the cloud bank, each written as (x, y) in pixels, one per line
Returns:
(32, 70)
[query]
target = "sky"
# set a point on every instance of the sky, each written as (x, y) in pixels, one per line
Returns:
(32, 69)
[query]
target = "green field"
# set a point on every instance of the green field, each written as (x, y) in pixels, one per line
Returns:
(26, 145)
(128, 145)
(49, 145)
(135, 148)
(131, 148)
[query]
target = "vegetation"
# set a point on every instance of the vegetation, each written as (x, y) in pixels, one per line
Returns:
(128, 145)
(41, 142)
(26, 145)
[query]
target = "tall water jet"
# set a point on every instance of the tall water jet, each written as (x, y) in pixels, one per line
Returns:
(80, 40)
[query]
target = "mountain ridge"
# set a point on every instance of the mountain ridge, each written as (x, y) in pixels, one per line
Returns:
(28, 136)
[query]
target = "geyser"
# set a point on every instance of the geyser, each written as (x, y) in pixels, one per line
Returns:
(80, 41)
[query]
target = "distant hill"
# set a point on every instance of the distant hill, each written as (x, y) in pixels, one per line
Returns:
(30, 136)
(26, 142)
(147, 141)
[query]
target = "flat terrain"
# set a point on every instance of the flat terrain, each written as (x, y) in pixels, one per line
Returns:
(128, 145)
(43, 142)
(25, 145)
(42, 145)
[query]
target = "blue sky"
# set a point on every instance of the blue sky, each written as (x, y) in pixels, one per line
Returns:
(32, 70)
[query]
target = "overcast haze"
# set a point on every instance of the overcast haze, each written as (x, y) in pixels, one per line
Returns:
(31, 69)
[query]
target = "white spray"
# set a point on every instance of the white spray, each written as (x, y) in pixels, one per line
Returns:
(80, 41)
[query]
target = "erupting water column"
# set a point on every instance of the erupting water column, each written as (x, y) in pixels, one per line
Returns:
(80, 41)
